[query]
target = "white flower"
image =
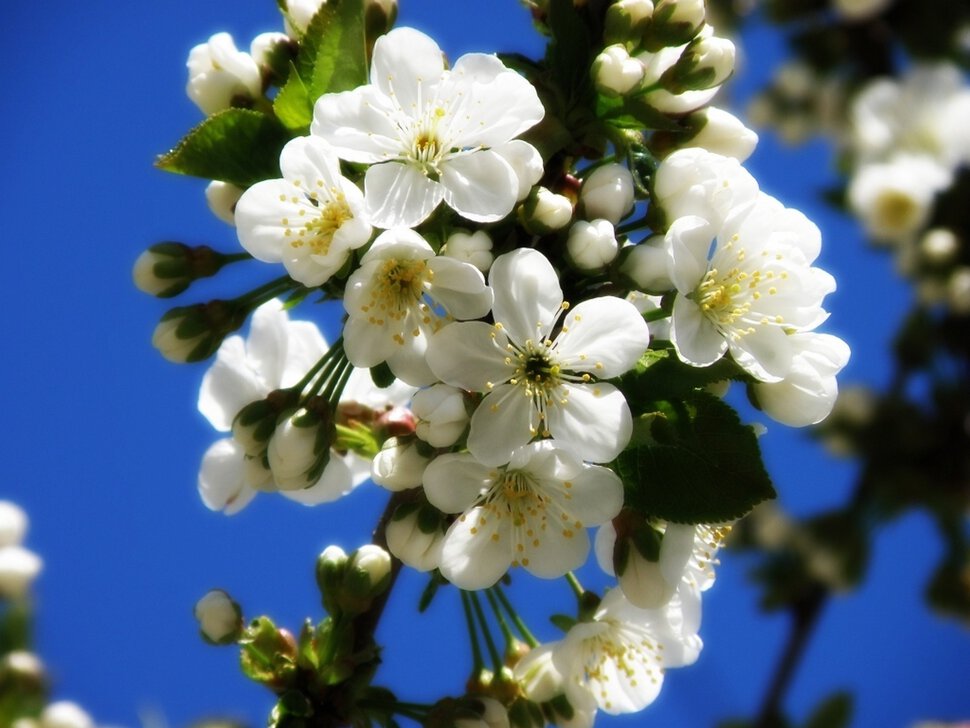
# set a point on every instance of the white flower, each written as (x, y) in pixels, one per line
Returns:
(658, 64)
(220, 73)
(222, 198)
(277, 354)
(749, 290)
(532, 512)
(441, 413)
(615, 72)
(536, 385)
(13, 523)
(592, 245)
(65, 714)
(429, 133)
(607, 193)
(474, 248)
(694, 181)
(311, 220)
(18, 569)
(894, 199)
(722, 133)
(218, 615)
(545, 211)
(618, 659)
(393, 301)
(399, 465)
(808, 392)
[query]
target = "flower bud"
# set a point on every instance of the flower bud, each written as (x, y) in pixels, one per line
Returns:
(607, 193)
(369, 570)
(254, 424)
(299, 13)
(646, 265)
(442, 414)
(193, 333)
(167, 269)
(544, 212)
(707, 62)
(722, 133)
(415, 535)
(220, 618)
(939, 246)
(526, 162)
(493, 714)
(627, 20)
(331, 565)
(674, 23)
(13, 523)
(399, 465)
(395, 422)
(615, 73)
(474, 248)
(537, 675)
(379, 16)
(299, 449)
(23, 674)
(958, 291)
(222, 198)
(856, 10)
(18, 569)
(592, 245)
(220, 75)
(264, 50)
(65, 714)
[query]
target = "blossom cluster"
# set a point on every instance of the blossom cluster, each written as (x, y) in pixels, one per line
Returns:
(503, 306)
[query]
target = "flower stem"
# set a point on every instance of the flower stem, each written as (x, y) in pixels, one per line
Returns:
(486, 633)
(477, 662)
(527, 636)
(574, 583)
(500, 618)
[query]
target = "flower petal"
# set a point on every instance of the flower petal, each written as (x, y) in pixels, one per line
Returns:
(695, 339)
(399, 195)
(605, 336)
(454, 481)
(405, 66)
(359, 124)
(335, 481)
(476, 551)
(595, 421)
(527, 294)
(501, 424)
(221, 481)
(460, 288)
(229, 385)
(470, 356)
(480, 186)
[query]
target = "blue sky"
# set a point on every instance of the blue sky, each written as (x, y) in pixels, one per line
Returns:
(102, 440)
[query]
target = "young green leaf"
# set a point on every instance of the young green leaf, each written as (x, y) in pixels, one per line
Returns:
(292, 104)
(334, 53)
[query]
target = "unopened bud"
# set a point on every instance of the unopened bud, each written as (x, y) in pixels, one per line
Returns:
(607, 193)
(65, 714)
(220, 618)
(646, 265)
(399, 465)
(395, 422)
(442, 414)
(526, 162)
(939, 246)
(592, 245)
(372, 564)
(220, 75)
(615, 73)
(722, 133)
(330, 568)
(415, 535)
(674, 23)
(23, 672)
(537, 675)
(707, 62)
(474, 248)
(167, 269)
(254, 424)
(13, 523)
(958, 291)
(379, 16)
(627, 21)
(18, 569)
(544, 212)
(222, 196)
(193, 333)
(299, 449)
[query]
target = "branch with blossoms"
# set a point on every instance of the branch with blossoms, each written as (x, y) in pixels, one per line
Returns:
(549, 270)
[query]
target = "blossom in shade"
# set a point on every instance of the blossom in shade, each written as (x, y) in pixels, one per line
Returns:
(532, 512)
(431, 134)
(538, 383)
(401, 294)
(748, 290)
(310, 220)
(618, 659)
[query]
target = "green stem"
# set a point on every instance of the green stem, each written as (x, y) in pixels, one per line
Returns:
(500, 618)
(264, 293)
(516, 619)
(574, 583)
(486, 633)
(315, 369)
(477, 662)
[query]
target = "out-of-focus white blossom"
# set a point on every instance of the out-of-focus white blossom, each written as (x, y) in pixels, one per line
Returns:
(859, 9)
(18, 569)
(958, 290)
(939, 246)
(13, 523)
(219, 617)
(65, 714)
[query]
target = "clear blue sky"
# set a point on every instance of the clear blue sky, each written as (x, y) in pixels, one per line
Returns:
(102, 441)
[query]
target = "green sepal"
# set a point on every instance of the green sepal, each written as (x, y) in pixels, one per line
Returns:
(431, 590)
(266, 655)
(633, 112)
(333, 56)
(382, 376)
(294, 704)
(238, 146)
(833, 712)
(703, 465)
(563, 621)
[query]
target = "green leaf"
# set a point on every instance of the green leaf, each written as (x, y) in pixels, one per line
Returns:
(703, 465)
(239, 146)
(334, 53)
(292, 104)
(569, 54)
(834, 712)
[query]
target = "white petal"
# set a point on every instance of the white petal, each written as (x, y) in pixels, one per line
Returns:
(335, 481)
(359, 124)
(694, 337)
(470, 557)
(603, 546)
(405, 65)
(687, 243)
(595, 422)
(605, 336)
(480, 186)
(307, 159)
(229, 385)
(766, 353)
(268, 341)
(527, 294)
(560, 548)
(399, 195)
(501, 424)
(454, 481)
(596, 495)
(460, 288)
(259, 218)
(469, 355)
